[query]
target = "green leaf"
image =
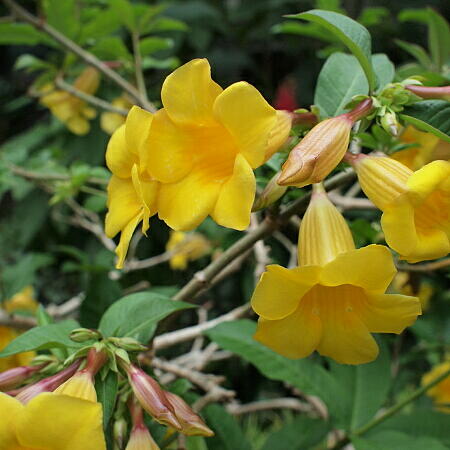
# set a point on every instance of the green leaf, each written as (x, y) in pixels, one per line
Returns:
(43, 317)
(432, 116)
(42, 338)
(31, 63)
(438, 38)
(61, 16)
(362, 389)
(111, 48)
(124, 10)
(413, 15)
(107, 395)
(20, 34)
(196, 443)
(415, 51)
(304, 374)
(340, 79)
(104, 23)
(351, 33)
(153, 44)
(384, 69)
(137, 315)
(228, 434)
(301, 434)
(166, 24)
(398, 441)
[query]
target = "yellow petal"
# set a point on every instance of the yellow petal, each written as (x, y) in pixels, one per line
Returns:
(123, 205)
(125, 238)
(137, 128)
(390, 313)
(295, 336)
(11, 409)
(168, 159)
(88, 112)
(118, 157)
(78, 125)
(279, 133)
(371, 268)
(188, 93)
(248, 117)
(60, 422)
(280, 290)
(185, 204)
(236, 197)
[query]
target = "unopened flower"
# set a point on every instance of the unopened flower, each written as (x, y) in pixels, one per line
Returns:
(331, 302)
(111, 121)
(440, 393)
(131, 190)
(415, 205)
(428, 92)
(186, 247)
(140, 437)
(151, 397)
(204, 145)
(271, 193)
(16, 376)
(72, 111)
(51, 422)
(191, 423)
(320, 151)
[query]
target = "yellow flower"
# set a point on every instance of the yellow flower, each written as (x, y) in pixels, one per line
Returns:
(141, 439)
(415, 205)
(110, 121)
(331, 302)
(406, 285)
(186, 247)
(22, 301)
(80, 385)
(204, 145)
(131, 190)
(440, 393)
(321, 150)
(51, 422)
(71, 110)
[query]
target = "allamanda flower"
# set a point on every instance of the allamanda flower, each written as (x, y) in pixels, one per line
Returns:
(332, 302)
(72, 111)
(415, 205)
(131, 190)
(440, 393)
(204, 144)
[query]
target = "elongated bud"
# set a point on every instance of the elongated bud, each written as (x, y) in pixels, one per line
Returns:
(81, 385)
(14, 377)
(151, 396)
(191, 423)
(271, 193)
(441, 92)
(389, 123)
(48, 384)
(381, 178)
(128, 344)
(279, 133)
(120, 429)
(84, 334)
(321, 149)
(140, 437)
(324, 233)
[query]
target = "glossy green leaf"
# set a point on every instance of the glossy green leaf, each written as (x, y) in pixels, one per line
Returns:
(304, 374)
(349, 32)
(61, 15)
(153, 44)
(20, 34)
(40, 338)
(438, 38)
(432, 116)
(111, 48)
(384, 69)
(137, 315)
(107, 395)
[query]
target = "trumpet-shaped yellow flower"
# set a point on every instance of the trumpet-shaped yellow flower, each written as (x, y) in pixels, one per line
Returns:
(110, 121)
(132, 193)
(141, 439)
(415, 205)
(22, 301)
(72, 111)
(332, 302)
(441, 392)
(186, 247)
(204, 145)
(80, 385)
(51, 422)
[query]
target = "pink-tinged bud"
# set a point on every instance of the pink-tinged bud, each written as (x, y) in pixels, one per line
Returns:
(271, 193)
(48, 384)
(14, 377)
(321, 150)
(191, 423)
(151, 397)
(441, 92)
(140, 437)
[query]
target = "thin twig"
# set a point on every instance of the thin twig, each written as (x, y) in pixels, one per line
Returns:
(72, 47)
(349, 202)
(277, 403)
(138, 65)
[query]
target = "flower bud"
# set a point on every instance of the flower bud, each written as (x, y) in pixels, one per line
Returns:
(441, 92)
(320, 151)
(128, 344)
(120, 432)
(271, 193)
(84, 334)
(14, 377)
(389, 123)
(151, 396)
(140, 437)
(191, 423)
(48, 384)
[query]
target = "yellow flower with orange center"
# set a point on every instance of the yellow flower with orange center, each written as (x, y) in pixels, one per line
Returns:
(110, 121)
(331, 302)
(440, 393)
(415, 205)
(69, 109)
(186, 247)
